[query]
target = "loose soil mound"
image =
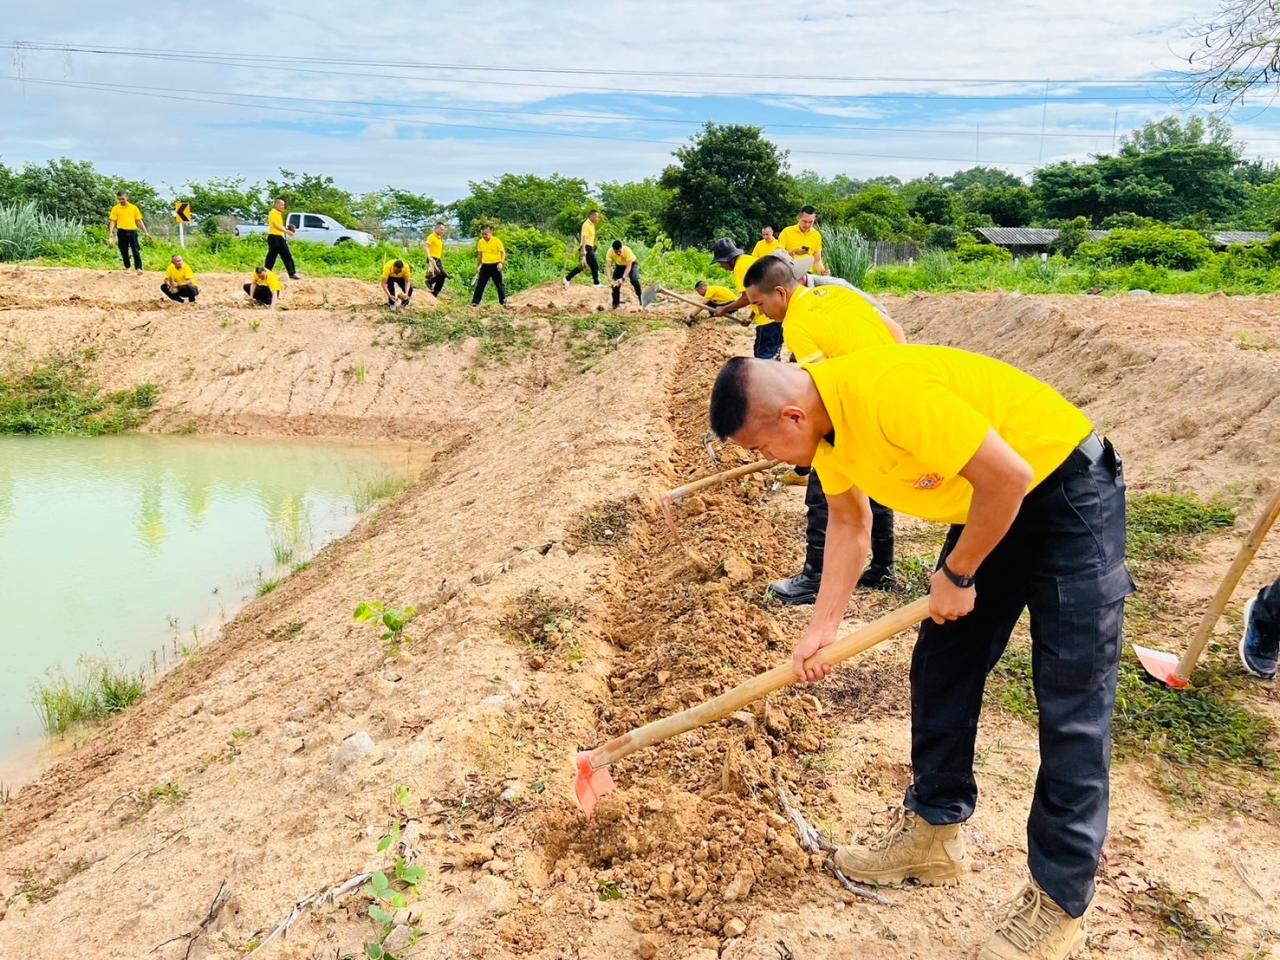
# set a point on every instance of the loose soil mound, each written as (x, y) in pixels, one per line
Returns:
(557, 610)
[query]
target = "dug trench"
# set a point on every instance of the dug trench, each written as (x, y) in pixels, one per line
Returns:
(555, 610)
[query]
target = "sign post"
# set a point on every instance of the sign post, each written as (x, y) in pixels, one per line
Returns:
(182, 213)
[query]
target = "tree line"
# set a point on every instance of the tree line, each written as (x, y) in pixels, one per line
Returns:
(729, 179)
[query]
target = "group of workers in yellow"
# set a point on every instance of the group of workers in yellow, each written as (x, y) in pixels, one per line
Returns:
(1036, 503)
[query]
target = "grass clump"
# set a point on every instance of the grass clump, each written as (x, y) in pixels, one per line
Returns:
(847, 254)
(912, 574)
(369, 490)
(539, 620)
(1161, 525)
(1180, 925)
(56, 398)
(26, 232)
(97, 691)
(268, 586)
(606, 524)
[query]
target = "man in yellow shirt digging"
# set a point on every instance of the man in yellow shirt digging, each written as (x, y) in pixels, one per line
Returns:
(1037, 507)
(179, 281)
(397, 284)
(623, 265)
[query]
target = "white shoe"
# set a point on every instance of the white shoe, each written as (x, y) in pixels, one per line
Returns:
(597, 284)
(566, 283)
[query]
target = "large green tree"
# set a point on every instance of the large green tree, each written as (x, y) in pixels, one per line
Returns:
(727, 181)
(646, 196)
(1007, 206)
(878, 213)
(519, 198)
(226, 197)
(73, 189)
(980, 176)
(313, 193)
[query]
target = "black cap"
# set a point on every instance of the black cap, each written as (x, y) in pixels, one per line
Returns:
(725, 250)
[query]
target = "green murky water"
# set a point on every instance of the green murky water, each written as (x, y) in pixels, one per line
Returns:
(136, 547)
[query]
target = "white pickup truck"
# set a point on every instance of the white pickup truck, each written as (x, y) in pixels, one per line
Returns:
(314, 228)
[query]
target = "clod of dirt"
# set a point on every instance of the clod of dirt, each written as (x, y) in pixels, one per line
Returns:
(737, 570)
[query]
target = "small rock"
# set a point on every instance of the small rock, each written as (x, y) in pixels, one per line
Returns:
(497, 866)
(301, 714)
(739, 886)
(295, 745)
(654, 805)
(352, 749)
(473, 854)
(354, 702)
(647, 948)
(513, 792)
(1140, 293)
(662, 677)
(401, 916)
(398, 939)
(734, 927)
(737, 569)
(497, 700)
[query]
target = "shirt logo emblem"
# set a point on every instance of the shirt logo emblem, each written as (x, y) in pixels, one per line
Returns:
(928, 481)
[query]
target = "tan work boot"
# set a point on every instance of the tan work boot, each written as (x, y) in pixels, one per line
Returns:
(1035, 928)
(911, 850)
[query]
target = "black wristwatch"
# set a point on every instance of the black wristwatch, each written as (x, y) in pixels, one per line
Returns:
(962, 582)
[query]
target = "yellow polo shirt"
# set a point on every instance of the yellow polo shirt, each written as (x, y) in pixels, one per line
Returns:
(588, 233)
(275, 223)
(180, 276)
(126, 217)
(620, 258)
(491, 250)
(740, 268)
(721, 296)
(435, 245)
(765, 247)
(270, 281)
(389, 271)
(801, 244)
(828, 322)
(908, 418)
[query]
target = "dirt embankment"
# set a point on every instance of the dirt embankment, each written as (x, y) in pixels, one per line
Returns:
(555, 610)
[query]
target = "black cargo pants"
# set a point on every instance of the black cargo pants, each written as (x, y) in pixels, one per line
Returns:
(1063, 558)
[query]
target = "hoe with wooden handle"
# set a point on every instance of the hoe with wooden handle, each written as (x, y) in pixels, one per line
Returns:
(1176, 673)
(594, 781)
(669, 497)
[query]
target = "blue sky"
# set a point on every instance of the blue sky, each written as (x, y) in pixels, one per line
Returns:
(865, 88)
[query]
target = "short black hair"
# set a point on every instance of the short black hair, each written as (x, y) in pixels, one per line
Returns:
(729, 398)
(767, 273)
(399, 264)
(591, 211)
(617, 244)
(767, 226)
(700, 283)
(808, 209)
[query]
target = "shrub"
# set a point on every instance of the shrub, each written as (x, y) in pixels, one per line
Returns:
(847, 254)
(942, 237)
(1070, 237)
(26, 232)
(936, 269)
(1160, 246)
(98, 691)
(971, 250)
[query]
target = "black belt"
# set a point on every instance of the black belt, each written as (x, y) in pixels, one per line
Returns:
(1088, 452)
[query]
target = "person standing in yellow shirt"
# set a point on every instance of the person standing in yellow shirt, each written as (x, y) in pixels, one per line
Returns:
(435, 258)
(179, 282)
(123, 224)
(263, 287)
(587, 250)
(1036, 501)
(818, 324)
(803, 239)
(623, 265)
(491, 259)
(767, 242)
(278, 234)
(397, 276)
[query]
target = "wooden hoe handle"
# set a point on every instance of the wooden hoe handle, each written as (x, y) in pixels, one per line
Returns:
(863, 638)
(693, 303)
(1210, 619)
(681, 492)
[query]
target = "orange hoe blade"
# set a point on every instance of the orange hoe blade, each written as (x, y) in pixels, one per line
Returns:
(1175, 672)
(594, 779)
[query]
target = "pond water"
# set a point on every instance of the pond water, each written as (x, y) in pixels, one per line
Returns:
(138, 548)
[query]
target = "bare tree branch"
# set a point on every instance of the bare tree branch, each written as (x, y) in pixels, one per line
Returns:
(1236, 56)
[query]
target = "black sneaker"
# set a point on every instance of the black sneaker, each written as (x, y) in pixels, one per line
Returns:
(798, 590)
(876, 577)
(1257, 653)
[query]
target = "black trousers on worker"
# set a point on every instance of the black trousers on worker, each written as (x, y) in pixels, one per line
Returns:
(768, 345)
(401, 284)
(1266, 610)
(262, 294)
(631, 272)
(438, 277)
(815, 502)
(278, 246)
(593, 265)
(186, 291)
(1064, 559)
(126, 243)
(489, 271)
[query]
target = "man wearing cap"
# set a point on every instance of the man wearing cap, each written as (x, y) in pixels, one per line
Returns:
(820, 323)
(1037, 507)
(731, 257)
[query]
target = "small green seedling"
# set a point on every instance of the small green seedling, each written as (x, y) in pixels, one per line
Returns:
(393, 620)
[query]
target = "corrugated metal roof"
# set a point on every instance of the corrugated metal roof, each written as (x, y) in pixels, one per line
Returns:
(1027, 236)
(1225, 238)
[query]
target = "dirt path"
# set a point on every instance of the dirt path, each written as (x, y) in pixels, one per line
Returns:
(555, 610)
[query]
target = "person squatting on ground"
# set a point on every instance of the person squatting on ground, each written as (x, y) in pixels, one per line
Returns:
(819, 324)
(803, 239)
(623, 265)
(1037, 506)
(491, 259)
(731, 257)
(711, 294)
(123, 224)
(397, 283)
(435, 259)
(1260, 641)
(278, 235)
(587, 250)
(263, 287)
(179, 281)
